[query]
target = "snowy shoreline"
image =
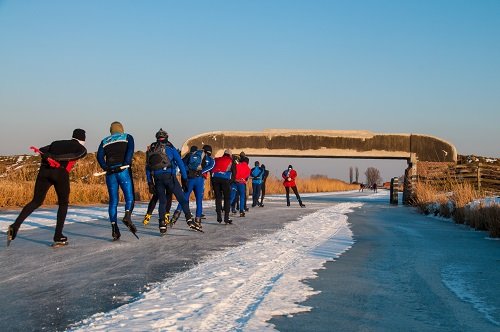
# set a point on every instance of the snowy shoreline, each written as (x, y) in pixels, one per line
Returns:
(241, 287)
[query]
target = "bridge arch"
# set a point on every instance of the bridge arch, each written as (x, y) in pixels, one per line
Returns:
(327, 144)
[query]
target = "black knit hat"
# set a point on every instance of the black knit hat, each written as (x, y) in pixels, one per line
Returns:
(79, 134)
(290, 166)
(207, 148)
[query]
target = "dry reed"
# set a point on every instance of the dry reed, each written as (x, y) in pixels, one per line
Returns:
(16, 188)
(429, 199)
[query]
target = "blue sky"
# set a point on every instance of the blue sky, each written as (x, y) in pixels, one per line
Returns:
(429, 67)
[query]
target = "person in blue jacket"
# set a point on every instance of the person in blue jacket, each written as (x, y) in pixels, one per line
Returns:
(256, 173)
(115, 157)
(162, 161)
(198, 163)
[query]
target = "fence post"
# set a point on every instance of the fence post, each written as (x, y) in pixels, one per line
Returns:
(478, 176)
(393, 199)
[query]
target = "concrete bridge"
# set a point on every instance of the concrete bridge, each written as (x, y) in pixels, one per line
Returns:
(414, 148)
(327, 144)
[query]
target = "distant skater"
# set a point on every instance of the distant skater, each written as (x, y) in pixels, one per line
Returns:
(361, 187)
(257, 174)
(374, 187)
(289, 176)
(115, 157)
(263, 188)
(58, 158)
(222, 175)
(239, 186)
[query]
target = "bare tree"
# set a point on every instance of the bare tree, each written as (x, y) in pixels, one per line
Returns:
(350, 174)
(357, 174)
(372, 176)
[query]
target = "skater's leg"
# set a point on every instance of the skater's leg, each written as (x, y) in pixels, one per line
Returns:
(296, 192)
(198, 188)
(175, 188)
(62, 187)
(217, 187)
(263, 193)
(42, 186)
(112, 184)
(127, 186)
(152, 204)
(226, 190)
(287, 189)
(241, 190)
(162, 195)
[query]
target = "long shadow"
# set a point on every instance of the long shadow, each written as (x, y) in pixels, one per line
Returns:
(26, 238)
(51, 228)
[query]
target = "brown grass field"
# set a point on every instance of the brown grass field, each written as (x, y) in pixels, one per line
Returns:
(16, 186)
(452, 203)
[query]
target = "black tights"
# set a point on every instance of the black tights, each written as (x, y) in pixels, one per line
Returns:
(296, 192)
(47, 177)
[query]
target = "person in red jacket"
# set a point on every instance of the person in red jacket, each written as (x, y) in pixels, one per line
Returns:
(289, 176)
(222, 175)
(240, 184)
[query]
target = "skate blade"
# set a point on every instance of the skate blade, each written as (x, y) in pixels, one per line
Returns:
(196, 229)
(59, 244)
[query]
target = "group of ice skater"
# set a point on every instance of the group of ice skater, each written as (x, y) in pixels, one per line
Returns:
(228, 174)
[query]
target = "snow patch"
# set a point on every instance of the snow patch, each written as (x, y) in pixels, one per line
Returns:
(239, 288)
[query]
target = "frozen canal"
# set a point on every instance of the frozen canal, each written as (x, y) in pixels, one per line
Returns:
(393, 270)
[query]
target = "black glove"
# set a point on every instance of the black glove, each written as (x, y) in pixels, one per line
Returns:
(151, 187)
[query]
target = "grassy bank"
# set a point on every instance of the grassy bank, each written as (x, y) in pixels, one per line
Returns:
(462, 203)
(16, 187)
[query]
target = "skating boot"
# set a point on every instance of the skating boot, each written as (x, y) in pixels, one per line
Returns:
(115, 231)
(163, 228)
(193, 225)
(242, 214)
(147, 217)
(302, 205)
(60, 241)
(127, 220)
(228, 221)
(11, 233)
(197, 220)
(167, 219)
(177, 214)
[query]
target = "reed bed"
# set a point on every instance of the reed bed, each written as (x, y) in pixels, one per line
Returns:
(456, 203)
(16, 187)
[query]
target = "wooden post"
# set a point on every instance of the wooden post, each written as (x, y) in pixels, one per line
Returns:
(478, 176)
(393, 199)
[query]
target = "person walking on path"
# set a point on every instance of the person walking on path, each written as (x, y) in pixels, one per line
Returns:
(58, 158)
(257, 174)
(198, 164)
(162, 161)
(114, 155)
(289, 176)
(222, 176)
(240, 184)
(263, 187)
